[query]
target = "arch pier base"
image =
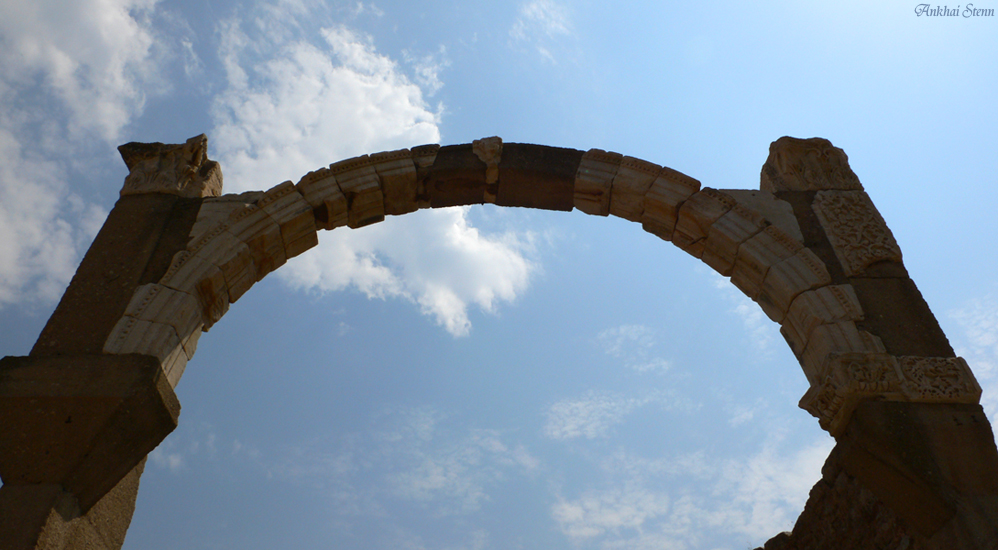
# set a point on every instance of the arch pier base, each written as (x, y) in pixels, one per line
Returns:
(914, 466)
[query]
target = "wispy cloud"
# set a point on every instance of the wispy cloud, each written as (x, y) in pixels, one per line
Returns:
(978, 344)
(652, 503)
(539, 23)
(300, 105)
(760, 328)
(592, 415)
(633, 345)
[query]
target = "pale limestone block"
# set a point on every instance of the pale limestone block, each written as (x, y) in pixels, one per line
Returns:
(938, 380)
(216, 210)
(235, 260)
(667, 193)
(261, 234)
(321, 191)
(787, 279)
(360, 185)
(835, 338)
(696, 215)
(190, 341)
(423, 157)
(857, 232)
(755, 256)
(162, 304)
(175, 365)
(627, 191)
(176, 169)
(289, 210)
(850, 379)
(489, 151)
(397, 172)
(593, 179)
(776, 211)
(131, 335)
(192, 274)
(828, 304)
(726, 234)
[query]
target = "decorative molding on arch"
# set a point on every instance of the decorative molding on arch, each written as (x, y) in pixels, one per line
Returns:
(808, 247)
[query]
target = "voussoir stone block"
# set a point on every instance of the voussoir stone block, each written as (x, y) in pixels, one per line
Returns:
(397, 172)
(630, 184)
(831, 339)
(536, 176)
(757, 254)
(424, 157)
(456, 178)
(807, 165)
(489, 151)
(204, 280)
(663, 199)
(828, 304)
(162, 304)
(293, 215)
(594, 179)
(362, 189)
(776, 211)
(787, 279)
(728, 233)
(323, 194)
(696, 216)
(82, 421)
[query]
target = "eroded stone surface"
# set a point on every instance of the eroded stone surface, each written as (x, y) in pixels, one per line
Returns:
(182, 169)
(807, 165)
(594, 179)
(858, 233)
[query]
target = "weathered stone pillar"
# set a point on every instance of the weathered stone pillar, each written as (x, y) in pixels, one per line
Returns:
(903, 408)
(76, 423)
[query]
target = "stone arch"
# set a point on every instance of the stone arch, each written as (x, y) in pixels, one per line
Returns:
(808, 247)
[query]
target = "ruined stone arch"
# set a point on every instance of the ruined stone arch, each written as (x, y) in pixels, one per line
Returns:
(808, 247)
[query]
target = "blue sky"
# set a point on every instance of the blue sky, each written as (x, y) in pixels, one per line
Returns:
(480, 378)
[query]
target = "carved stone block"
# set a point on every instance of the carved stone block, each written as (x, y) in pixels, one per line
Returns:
(261, 235)
(162, 304)
(594, 179)
(696, 216)
(858, 233)
(667, 193)
(831, 339)
(727, 234)
(424, 157)
(851, 378)
(181, 169)
(360, 185)
(216, 210)
(806, 165)
(133, 335)
(828, 304)
(192, 274)
(489, 151)
(627, 190)
(787, 279)
(289, 210)
(535, 176)
(775, 211)
(397, 173)
(938, 380)
(757, 254)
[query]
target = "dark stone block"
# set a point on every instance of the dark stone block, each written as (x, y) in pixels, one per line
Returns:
(896, 312)
(83, 421)
(457, 177)
(536, 176)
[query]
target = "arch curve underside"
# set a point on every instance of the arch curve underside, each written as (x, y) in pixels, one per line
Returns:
(915, 464)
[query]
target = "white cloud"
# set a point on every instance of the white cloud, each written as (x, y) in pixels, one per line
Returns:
(427, 69)
(759, 327)
(661, 503)
(303, 105)
(591, 416)
(72, 76)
